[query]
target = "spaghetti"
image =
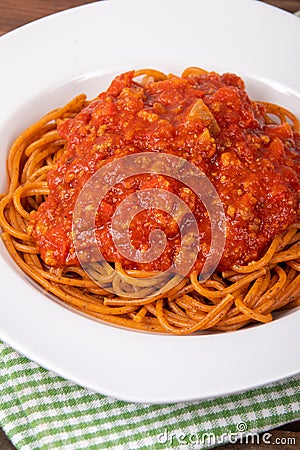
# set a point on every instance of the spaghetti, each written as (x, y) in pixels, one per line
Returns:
(211, 120)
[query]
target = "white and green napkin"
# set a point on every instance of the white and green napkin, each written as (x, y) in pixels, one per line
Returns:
(40, 410)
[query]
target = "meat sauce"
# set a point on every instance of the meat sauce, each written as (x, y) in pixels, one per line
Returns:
(208, 120)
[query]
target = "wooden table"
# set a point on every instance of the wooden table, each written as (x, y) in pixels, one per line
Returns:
(14, 13)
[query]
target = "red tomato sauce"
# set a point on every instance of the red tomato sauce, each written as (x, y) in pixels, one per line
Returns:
(207, 119)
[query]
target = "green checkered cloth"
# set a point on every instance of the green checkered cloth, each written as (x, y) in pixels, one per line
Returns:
(40, 410)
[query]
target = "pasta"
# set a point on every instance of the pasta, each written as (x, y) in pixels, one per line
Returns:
(232, 297)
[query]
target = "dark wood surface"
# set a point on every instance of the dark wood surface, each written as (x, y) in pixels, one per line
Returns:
(288, 5)
(15, 13)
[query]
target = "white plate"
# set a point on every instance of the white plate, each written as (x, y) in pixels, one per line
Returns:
(45, 63)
